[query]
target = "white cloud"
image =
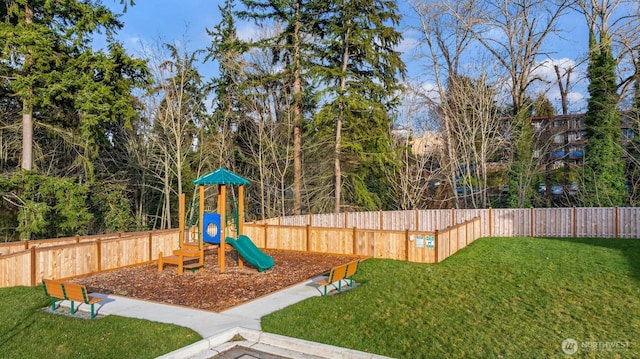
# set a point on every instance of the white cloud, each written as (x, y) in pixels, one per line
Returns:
(247, 31)
(546, 70)
(409, 42)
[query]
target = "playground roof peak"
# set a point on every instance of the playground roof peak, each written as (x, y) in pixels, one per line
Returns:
(221, 176)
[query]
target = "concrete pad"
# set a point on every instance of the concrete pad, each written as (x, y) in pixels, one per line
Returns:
(268, 344)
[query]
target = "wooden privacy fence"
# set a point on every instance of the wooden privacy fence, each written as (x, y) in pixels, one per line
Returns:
(26, 263)
(426, 236)
(413, 246)
(77, 256)
(608, 222)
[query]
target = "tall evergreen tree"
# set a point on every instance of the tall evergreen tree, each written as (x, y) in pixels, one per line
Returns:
(633, 146)
(603, 172)
(542, 107)
(360, 69)
(74, 102)
(226, 49)
(45, 45)
(291, 47)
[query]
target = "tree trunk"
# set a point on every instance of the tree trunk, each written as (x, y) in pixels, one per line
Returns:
(167, 196)
(337, 170)
(297, 116)
(343, 86)
(297, 168)
(564, 89)
(27, 136)
(27, 108)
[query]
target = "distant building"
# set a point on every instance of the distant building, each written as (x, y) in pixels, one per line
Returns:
(561, 139)
(427, 142)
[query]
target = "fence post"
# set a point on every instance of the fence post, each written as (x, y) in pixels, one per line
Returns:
(575, 222)
(466, 232)
(150, 235)
(77, 238)
(490, 222)
(33, 266)
(265, 232)
(307, 233)
(436, 246)
(373, 245)
(406, 244)
(531, 221)
(99, 250)
(617, 228)
(450, 233)
(354, 241)
(453, 217)
(473, 228)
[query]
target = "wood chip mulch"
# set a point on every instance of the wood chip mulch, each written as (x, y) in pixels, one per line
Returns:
(207, 288)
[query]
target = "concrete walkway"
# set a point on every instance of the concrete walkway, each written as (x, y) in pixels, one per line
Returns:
(218, 329)
(204, 322)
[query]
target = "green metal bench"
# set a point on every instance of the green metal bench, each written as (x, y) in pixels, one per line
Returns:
(338, 274)
(57, 290)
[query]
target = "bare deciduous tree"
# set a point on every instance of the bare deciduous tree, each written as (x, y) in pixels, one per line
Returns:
(417, 178)
(465, 106)
(177, 109)
(518, 31)
(445, 44)
(266, 133)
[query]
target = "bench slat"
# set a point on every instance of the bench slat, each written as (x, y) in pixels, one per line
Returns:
(76, 292)
(53, 288)
(352, 269)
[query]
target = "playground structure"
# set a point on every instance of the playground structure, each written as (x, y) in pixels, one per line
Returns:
(213, 231)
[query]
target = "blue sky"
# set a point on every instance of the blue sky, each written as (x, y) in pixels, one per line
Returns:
(169, 21)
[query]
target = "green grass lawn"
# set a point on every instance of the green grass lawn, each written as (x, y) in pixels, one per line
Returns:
(28, 332)
(498, 298)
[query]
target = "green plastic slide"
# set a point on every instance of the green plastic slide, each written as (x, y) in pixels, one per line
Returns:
(251, 253)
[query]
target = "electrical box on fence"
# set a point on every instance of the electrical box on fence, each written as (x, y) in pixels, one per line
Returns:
(211, 228)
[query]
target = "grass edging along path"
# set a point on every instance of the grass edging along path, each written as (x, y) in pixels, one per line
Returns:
(497, 298)
(28, 332)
